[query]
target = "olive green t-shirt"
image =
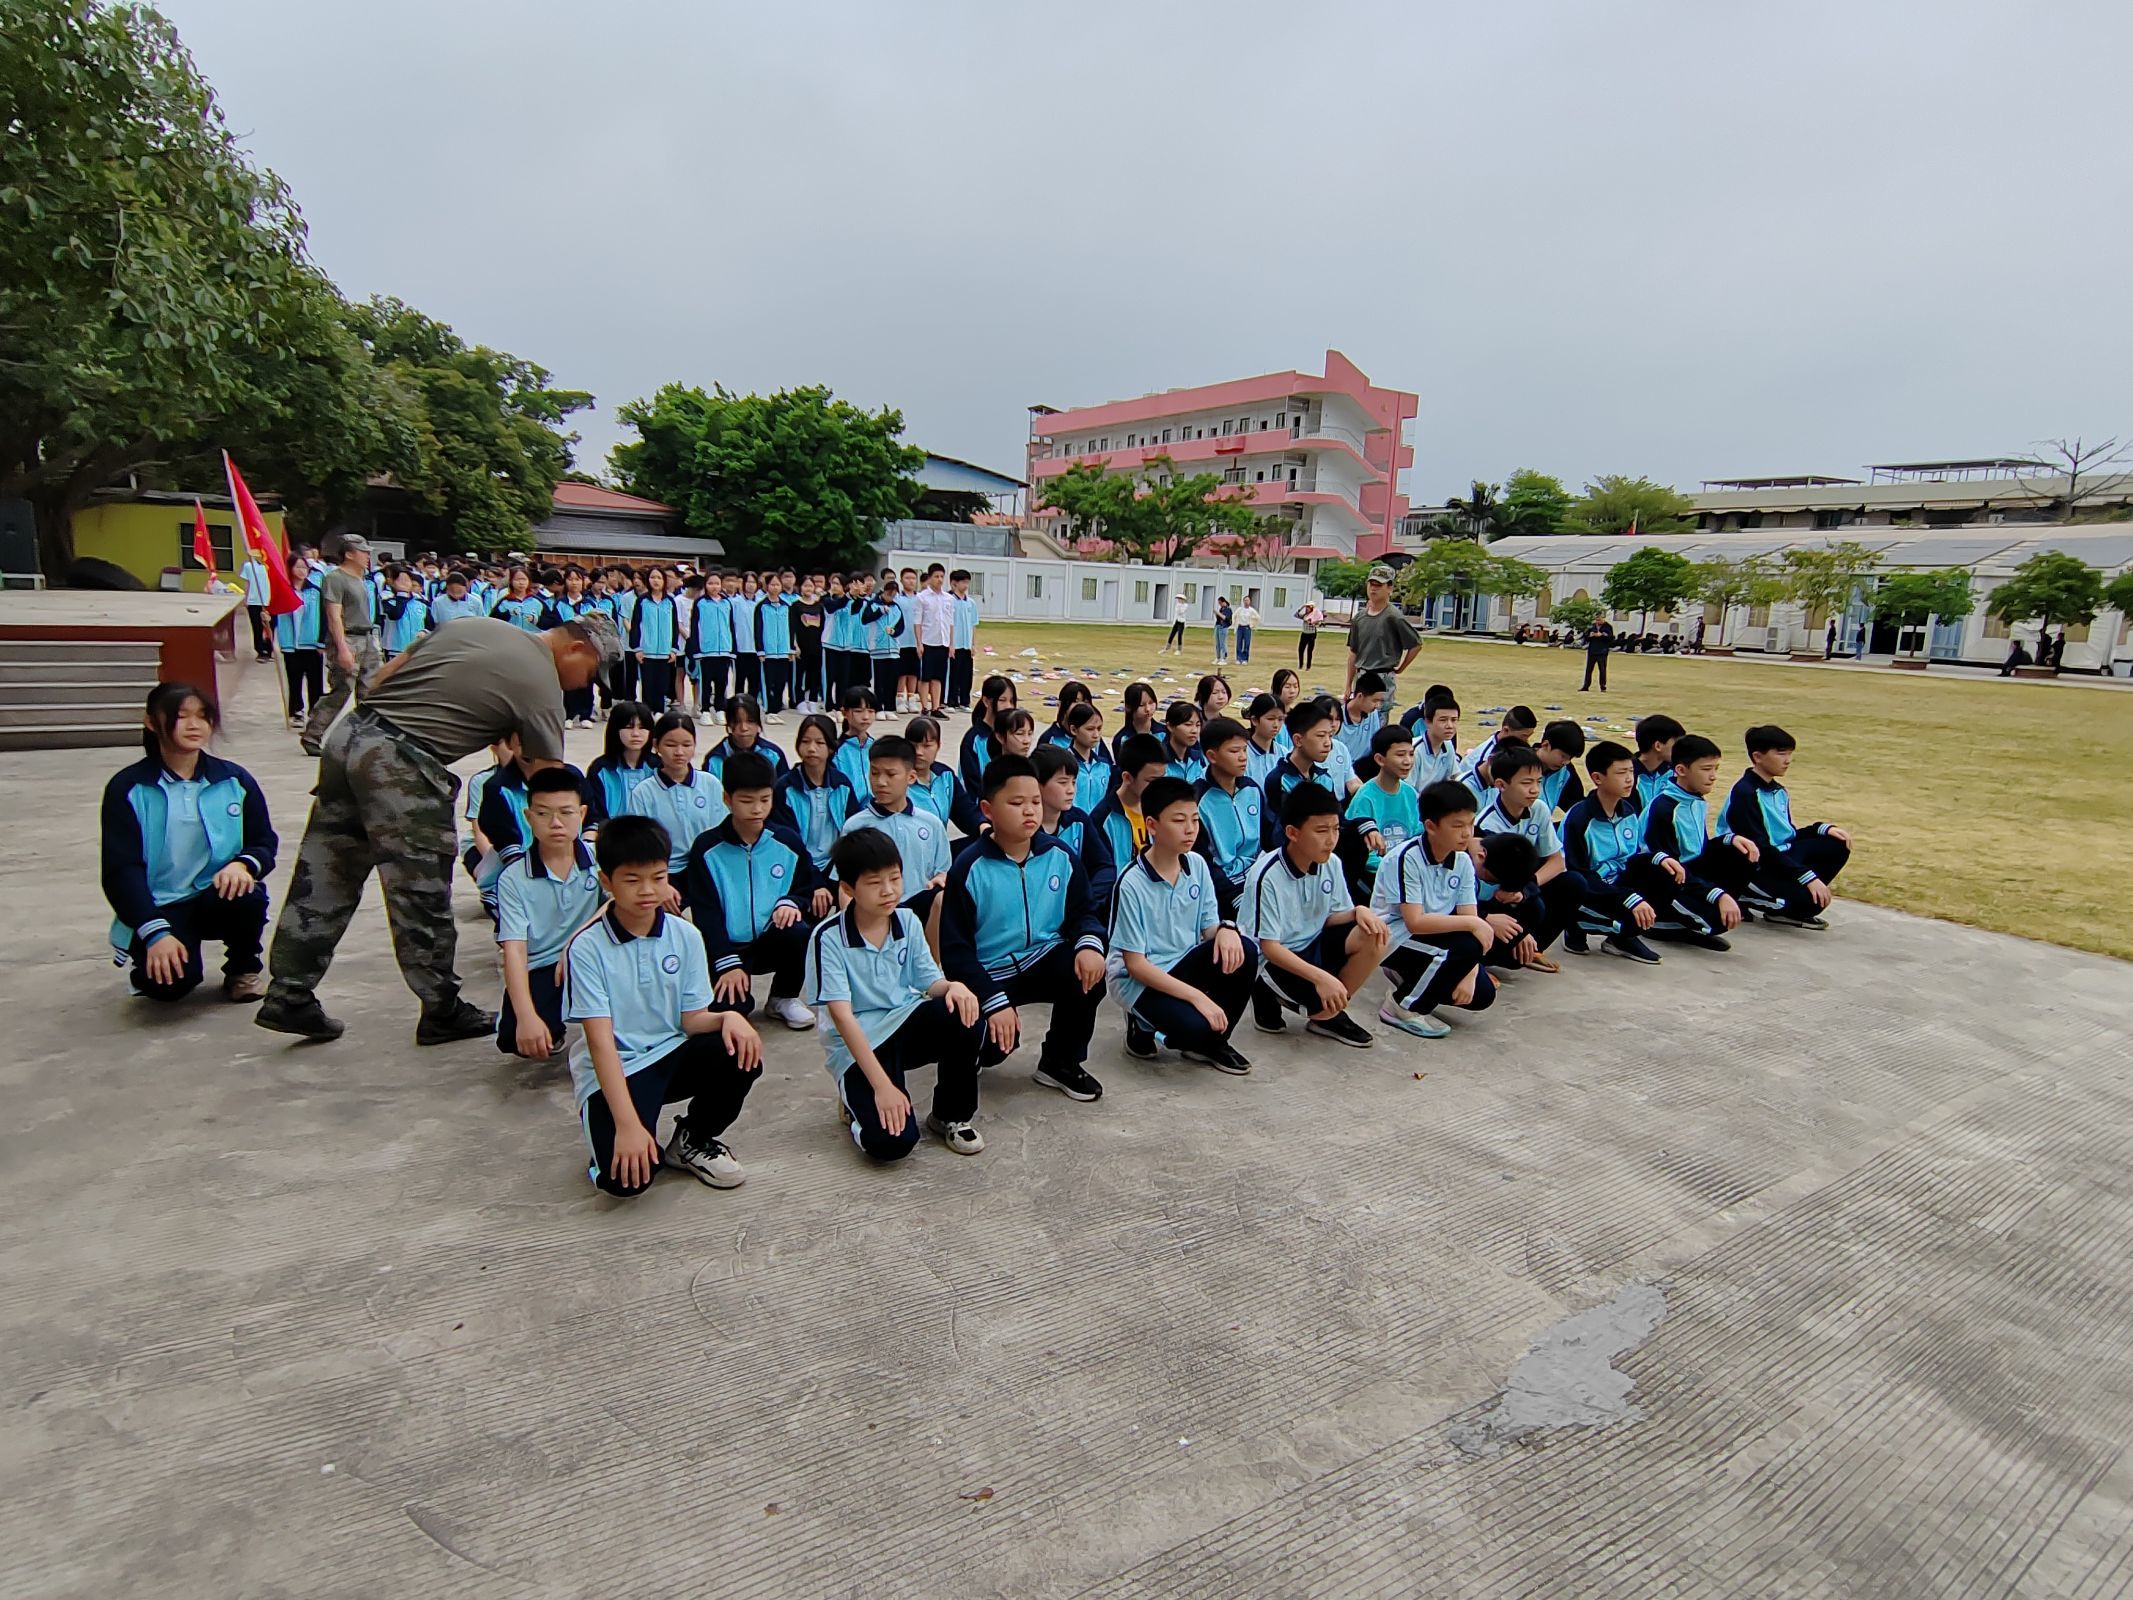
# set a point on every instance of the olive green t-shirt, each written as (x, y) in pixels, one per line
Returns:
(469, 684)
(352, 595)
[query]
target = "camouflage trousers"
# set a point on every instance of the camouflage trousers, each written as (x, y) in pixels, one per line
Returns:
(384, 802)
(339, 686)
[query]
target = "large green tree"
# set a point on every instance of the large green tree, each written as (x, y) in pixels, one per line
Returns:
(1157, 514)
(796, 476)
(2118, 594)
(1466, 567)
(1651, 579)
(1824, 578)
(485, 442)
(1535, 505)
(1343, 578)
(1476, 515)
(2051, 589)
(1748, 581)
(1912, 599)
(1614, 504)
(145, 262)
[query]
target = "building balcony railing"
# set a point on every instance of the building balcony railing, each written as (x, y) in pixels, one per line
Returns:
(1202, 453)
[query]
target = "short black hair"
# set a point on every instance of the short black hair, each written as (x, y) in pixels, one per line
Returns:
(1164, 793)
(1368, 683)
(1262, 703)
(1507, 761)
(1179, 713)
(1012, 719)
(863, 851)
(1141, 750)
(746, 770)
(563, 779)
(1439, 698)
(1048, 761)
(922, 730)
(1654, 731)
(673, 722)
(1512, 858)
(1521, 717)
(748, 708)
(1306, 715)
(631, 841)
(1308, 800)
(1391, 734)
(1769, 736)
(1564, 735)
(1447, 797)
(892, 748)
(855, 698)
(1606, 754)
(1691, 748)
(1221, 731)
(1001, 769)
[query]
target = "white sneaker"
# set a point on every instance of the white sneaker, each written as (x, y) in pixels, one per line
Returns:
(708, 1160)
(1421, 1024)
(705, 718)
(792, 1013)
(775, 720)
(961, 1137)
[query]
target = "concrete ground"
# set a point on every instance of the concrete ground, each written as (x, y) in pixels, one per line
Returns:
(1802, 1271)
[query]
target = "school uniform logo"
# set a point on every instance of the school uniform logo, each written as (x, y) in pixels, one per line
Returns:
(590, 884)
(671, 965)
(1192, 891)
(777, 869)
(1325, 886)
(1053, 882)
(236, 808)
(924, 832)
(701, 802)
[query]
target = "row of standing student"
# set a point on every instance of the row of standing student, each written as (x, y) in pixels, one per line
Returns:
(902, 953)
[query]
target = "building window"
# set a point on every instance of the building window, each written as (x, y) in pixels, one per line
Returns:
(1259, 476)
(219, 535)
(1088, 588)
(1140, 591)
(1192, 593)
(1166, 436)
(1758, 616)
(1542, 602)
(977, 584)
(1036, 586)
(1292, 477)
(1225, 429)
(1281, 419)
(1281, 599)
(1262, 424)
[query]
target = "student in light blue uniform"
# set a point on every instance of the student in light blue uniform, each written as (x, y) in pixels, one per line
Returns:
(1075, 828)
(711, 645)
(1360, 720)
(624, 762)
(813, 800)
(1793, 865)
(1384, 813)
(1269, 741)
(934, 784)
(655, 642)
(1181, 970)
(684, 801)
(258, 591)
(404, 615)
(962, 641)
(545, 895)
(921, 837)
(773, 642)
(1316, 947)
(638, 985)
(748, 885)
(519, 605)
(744, 736)
(1621, 880)
(454, 601)
(883, 1007)
(1234, 825)
(852, 757)
(296, 636)
(1426, 895)
(1543, 906)
(747, 650)
(187, 846)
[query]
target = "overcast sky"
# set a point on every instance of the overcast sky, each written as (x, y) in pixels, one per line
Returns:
(1690, 240)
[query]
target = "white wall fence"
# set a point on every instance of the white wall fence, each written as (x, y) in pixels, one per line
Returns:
(1022, 589)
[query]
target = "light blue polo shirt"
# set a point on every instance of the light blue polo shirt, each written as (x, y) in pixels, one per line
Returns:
(921, 839)
(1434, 763)
(1537, 825)
(643, 986)
(1355, 737)
(853, 757)
(1162, 921)
(542, 910)
(1259, 764)
(185, 861)
(687, 810)
(1408, 876)
(1288, 905)
(883, 985)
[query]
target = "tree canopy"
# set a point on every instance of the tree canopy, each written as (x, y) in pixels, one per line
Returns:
(1156, 514)
(1823, 578)
(1651, 579)
(2118, 594)
(1749, 581)
(1535, 504)
(794, 476)
(1614, 504)
(1575, 614)
(1466, 567)
(156, 304)
(1341, 578)
(1912, 599)
(2052, 589)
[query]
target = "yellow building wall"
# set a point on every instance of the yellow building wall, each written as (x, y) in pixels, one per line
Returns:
(144, 539)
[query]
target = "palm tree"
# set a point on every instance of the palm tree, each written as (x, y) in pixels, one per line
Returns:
(1479, 514)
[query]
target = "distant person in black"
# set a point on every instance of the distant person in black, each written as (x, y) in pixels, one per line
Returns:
(1599, 639)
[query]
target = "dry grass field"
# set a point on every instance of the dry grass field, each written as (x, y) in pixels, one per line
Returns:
(2000, 804)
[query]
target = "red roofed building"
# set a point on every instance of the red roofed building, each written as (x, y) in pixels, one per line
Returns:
(592, 523)
(1324, 451)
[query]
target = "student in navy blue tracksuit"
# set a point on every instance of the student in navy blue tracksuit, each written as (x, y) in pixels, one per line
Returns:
(1793, 866)
(187, 846)
(747, 885)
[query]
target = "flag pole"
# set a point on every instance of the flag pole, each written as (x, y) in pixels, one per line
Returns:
(244, 528)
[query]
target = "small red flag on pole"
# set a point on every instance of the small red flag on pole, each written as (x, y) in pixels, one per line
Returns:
(282, 597)
(1632, 532)
(203, 546)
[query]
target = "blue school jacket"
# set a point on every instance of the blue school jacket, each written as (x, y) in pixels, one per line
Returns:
(608, 785)
(944, 796)
(139, 873)
(732, 888)
(773, 627)
(404, 618)
(1088, 845)
(715, 761)
(653, 627)
(711, 627)
(299, 630)
(1000, 917)
(1233, 833)
(526, 611)
(1604, 846)
(1677, 822)
(815, 813)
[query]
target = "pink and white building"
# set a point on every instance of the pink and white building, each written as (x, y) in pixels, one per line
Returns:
(1324, 451)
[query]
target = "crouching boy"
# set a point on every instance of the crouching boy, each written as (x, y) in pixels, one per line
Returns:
(638, 986)
(883, 1008)
(1426, 896)
(1316, 947)
(747, 886)
(542, 898)
(1793, 866)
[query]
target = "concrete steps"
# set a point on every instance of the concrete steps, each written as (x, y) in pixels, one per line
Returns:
(64, 694)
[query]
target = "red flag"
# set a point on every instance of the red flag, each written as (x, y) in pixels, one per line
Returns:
(1631, 532)
(282, 597)
(203, 546)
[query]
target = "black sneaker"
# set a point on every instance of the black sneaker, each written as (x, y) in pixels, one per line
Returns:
(1224, 1057)
(460, 1020)
(1575, 942)
(1074, 1082)
(1632, 947)
(1140, 1039)
(1710, 941)
(1342, 1029)
(1785, 919)
(1266, 1013)
(306, 1019)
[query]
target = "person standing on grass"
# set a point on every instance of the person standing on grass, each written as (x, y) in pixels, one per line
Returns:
(1311, 615)
(1599, 639)
(350, 636)
(1380, 639)
(1247, 625)
(1223, 618)
(384, 803)
(1179, 611)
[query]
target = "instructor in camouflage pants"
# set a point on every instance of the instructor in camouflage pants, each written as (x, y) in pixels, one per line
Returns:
(384, 801)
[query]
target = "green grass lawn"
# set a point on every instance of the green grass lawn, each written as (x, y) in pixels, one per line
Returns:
(2001, 804)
